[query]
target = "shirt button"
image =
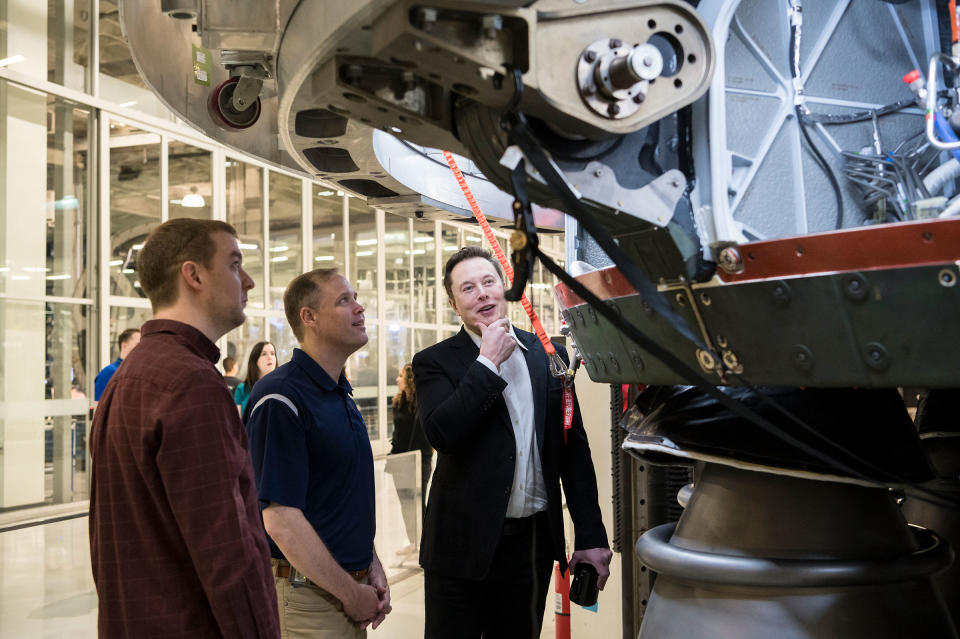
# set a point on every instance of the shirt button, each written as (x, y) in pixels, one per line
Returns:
(506, 491)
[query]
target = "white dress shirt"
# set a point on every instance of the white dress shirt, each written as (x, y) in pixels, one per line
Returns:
(528, 494)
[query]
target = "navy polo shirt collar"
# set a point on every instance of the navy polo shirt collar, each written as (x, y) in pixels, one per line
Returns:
(319, 376)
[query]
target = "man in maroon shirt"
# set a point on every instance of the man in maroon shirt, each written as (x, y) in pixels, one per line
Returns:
(176, 542)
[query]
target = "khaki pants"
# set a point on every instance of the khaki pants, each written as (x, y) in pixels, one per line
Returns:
(311, 612)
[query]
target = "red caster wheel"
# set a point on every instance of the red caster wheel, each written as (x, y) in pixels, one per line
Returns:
(223, 112)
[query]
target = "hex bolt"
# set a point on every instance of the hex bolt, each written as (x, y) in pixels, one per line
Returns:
(590, 56)
(639, 98)
(730, 260)
(598, 173)
(613, 109)
(615, 44)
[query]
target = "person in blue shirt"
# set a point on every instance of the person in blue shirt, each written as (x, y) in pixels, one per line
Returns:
(262, 360)
(313, 466)
(126, 342)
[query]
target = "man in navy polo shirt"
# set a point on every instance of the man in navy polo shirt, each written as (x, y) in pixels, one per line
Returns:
(314, 469)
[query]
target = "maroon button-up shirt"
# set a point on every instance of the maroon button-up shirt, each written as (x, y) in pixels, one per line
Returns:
(176, 541)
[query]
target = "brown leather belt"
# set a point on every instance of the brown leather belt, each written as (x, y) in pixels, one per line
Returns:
(282, 569)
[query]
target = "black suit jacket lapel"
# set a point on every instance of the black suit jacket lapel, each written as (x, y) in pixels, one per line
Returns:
(537, 367)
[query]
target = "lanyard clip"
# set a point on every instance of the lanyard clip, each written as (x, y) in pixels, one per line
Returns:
(558, 368)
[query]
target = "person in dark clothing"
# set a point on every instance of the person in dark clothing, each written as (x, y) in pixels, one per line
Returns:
(177, 548)
(408, 435)
(231, 368)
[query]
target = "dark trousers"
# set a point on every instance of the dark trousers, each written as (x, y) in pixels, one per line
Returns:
(509, 602)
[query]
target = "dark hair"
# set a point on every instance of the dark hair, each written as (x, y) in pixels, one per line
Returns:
(229, 363)
(125, 336)
(406, 398)
(170, 245)
(304, 290)
(466, 253)
(253, 371)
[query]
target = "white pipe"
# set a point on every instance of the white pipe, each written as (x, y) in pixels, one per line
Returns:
(937, 178)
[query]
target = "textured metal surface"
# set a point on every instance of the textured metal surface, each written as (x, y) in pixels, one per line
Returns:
(747, 131)
(830, 330)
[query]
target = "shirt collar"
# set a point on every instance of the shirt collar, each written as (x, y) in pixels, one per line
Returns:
(476, 338)
(190, 335)
(319, 376)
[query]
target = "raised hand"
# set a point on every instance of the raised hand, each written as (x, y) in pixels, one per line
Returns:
(496, 343)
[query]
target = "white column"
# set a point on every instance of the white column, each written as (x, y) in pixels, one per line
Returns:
(23, 148)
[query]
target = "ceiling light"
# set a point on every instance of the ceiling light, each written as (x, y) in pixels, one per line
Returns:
(366, 242)
(327, 193)
(280, 258)
(248, 247)
(64, 276)
(422, 239)
(116, 262)
(137, 247)
(193, 201)
(128, 104)
(5, 62)
(340, 193)
(323, 258)
(364, 253)
(279, 249)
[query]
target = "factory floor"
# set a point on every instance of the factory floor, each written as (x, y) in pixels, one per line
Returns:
(46, 587)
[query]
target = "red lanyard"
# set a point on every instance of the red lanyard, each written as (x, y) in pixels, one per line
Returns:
(557, 367)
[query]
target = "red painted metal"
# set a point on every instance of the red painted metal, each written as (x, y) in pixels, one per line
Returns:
(562, 587)
(902, 245)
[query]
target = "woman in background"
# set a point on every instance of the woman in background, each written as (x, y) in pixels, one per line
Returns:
(262, 360)
(408, 435)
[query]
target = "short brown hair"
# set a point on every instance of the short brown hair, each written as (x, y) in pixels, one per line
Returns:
(125, 336)
(170, 245)
(304, 290)
(466, 253)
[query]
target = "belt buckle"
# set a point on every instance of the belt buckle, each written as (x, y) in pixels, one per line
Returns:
(298, 579)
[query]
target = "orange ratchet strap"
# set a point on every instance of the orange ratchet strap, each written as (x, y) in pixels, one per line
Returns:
(557, 367)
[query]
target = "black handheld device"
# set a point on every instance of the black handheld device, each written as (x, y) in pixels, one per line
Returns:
(583, 589)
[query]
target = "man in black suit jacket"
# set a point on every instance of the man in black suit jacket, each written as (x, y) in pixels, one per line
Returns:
(493, 525)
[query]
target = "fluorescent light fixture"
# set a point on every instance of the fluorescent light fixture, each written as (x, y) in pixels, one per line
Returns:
(449, 249)
(473, 238)
(323, 258)
(399, 260)
(366, 242)
(4, 269)
(396, 129)
(193, 201)
(69, 203)
(394, 328)
(137, 283)
(340, 193)
(326, 193)
(36, 269)
(128, 104)
(364, 253)
(177, 202)
(116, 262)
(422, 240)
(419, 251)
(280, 258)
(248, 247)
(64, 276)
(5, 62)
(279, 249)
(128, 270)
(137, 247)
(19, 277)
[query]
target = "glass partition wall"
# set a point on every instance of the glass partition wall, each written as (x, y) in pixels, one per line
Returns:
(81, 187)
